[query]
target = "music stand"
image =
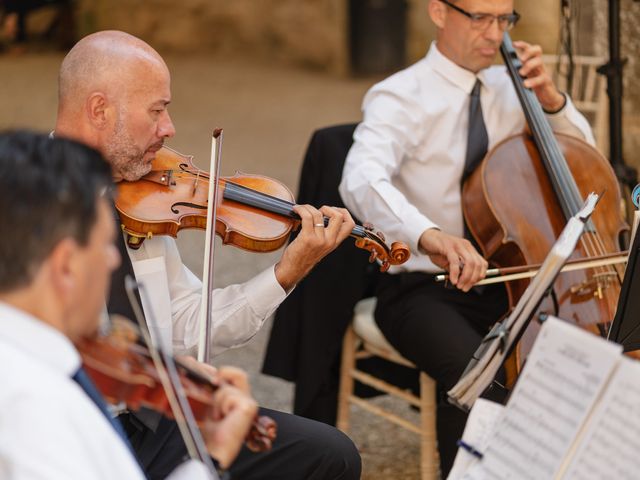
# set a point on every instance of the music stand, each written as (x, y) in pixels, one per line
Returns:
(625, 329)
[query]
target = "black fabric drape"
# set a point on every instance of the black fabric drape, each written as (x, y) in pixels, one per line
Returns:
(306, 338)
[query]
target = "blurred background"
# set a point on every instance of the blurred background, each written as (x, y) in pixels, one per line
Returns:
(270, 72)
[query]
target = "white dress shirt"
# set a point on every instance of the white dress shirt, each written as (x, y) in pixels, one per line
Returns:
(49, 427)
(239, 311)
(403, 171)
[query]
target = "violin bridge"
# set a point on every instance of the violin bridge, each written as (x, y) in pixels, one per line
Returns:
(195, 184)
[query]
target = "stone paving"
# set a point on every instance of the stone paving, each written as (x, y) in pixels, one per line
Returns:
(268, 113)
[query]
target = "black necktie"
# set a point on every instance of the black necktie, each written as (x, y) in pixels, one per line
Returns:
(477, 144)
(477, 139)
(82, 379)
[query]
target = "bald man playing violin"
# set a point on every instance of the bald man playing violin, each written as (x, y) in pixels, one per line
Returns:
(114, 92)
(52, 286)
(423, 132)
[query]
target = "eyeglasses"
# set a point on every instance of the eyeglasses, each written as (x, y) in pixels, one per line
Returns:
(482, 21)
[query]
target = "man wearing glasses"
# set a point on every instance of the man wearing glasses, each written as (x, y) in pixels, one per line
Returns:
(424, 130)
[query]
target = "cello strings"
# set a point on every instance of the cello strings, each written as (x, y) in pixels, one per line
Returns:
(558, 169)
(593, 244)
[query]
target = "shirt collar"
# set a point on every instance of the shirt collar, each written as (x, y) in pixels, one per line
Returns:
(461, 77)
(38, 340)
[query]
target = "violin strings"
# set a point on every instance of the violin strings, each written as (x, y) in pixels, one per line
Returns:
(277, 205)
(281, 206)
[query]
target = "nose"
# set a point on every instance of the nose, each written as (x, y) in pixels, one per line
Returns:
(494, 32)
(165, 127)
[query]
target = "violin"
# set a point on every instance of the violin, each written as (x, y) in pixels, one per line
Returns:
(254, 212)
(123, 371)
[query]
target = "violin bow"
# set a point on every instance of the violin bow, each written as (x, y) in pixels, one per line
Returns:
(509, 274)
(204, 345)
(168, 374)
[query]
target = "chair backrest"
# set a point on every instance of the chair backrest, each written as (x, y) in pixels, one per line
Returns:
(587, 90)
(322, 167)
(305, 340)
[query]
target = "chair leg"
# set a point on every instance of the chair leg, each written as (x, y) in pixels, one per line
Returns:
(429, 458)
(346, 378)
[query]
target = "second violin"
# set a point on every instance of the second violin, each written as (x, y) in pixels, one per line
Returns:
(123, 371)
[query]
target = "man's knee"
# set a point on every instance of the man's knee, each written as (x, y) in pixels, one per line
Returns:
(337, 456)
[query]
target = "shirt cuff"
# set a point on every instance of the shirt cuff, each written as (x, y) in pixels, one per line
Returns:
(264, 293)
(416, 228)
(559, 119)
(193, 470)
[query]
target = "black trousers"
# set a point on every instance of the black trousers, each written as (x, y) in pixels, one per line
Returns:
(303, 450)
(438, 329)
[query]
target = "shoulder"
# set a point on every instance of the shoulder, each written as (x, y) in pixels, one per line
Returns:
(403, 84)
(398, 100)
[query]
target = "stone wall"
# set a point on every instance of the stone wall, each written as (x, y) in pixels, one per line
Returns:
(630, 45)
(308, 32)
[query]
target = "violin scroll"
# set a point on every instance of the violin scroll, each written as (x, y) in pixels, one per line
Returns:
(374, 243)
(262, 434)
(399, 253)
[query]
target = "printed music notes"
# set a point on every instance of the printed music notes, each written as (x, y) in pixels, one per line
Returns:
(574, 414)
(609, 447)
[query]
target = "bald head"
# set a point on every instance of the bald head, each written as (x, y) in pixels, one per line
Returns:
(104, 61)
(114, 90)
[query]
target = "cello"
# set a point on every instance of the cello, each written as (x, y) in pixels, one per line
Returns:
(520, 197)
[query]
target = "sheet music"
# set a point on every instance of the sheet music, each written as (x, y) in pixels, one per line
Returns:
(609, 446)
(487, 359)
(477, 432)
(564, 374)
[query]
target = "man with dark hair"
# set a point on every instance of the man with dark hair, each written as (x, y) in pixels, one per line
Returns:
(41, 205)
(57, 253)
(114, 92)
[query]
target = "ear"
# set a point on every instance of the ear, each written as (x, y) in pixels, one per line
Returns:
(97, 108)
(437, 12)
(62, 269)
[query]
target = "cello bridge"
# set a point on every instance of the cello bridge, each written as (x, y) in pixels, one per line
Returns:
(593, 287)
